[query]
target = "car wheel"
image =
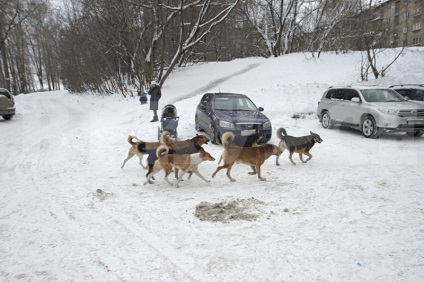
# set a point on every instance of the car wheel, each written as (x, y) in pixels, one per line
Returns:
(196, 124)
(212, 134)
(417, 133)
(326, 120)
(369, 128)
(8, 117)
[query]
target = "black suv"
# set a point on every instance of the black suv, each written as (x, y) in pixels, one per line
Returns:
(7, 104)
(221, 112)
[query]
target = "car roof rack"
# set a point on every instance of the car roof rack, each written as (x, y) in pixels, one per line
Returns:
(407, 84)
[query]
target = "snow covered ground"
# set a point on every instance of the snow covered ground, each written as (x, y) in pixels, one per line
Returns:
(68, 212)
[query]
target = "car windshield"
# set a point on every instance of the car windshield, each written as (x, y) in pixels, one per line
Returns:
(234, 104)
(382, 95)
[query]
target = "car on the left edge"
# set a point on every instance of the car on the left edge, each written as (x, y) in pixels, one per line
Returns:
(218, 113)
(7, 104)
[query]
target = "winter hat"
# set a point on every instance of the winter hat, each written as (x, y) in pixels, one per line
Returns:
(154, 82)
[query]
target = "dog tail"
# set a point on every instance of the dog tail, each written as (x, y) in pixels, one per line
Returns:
(162, 150)
(280, 133)
(130, 139)
(227, 139)
(164, 139)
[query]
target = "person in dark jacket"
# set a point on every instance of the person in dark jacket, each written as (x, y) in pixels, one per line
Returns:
(155, 95)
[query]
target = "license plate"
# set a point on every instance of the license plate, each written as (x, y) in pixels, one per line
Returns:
(248, 132)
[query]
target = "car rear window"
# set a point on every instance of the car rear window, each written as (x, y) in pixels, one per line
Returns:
(5, 93)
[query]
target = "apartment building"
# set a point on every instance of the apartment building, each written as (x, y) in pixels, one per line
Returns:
(402, 22)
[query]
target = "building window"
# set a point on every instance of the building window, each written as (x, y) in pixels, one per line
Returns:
(418, 11)
(388, 21)
(405, 29)
(416, 41)
(396, 20)
(416, 26)
(397, 9)
(407, 15)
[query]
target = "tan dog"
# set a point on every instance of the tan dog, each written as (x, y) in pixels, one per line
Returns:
(301, 145)
(188, 146)
(185, 162)
(135, 142)
(252, 156)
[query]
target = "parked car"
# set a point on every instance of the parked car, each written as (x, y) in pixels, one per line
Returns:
(7, 104)
(221, 112)
(412, 91)
(371, 110)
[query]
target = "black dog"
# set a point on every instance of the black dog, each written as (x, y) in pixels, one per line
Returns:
(300, 145)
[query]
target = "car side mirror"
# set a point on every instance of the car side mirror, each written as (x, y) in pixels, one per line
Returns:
(355, 100)
(406, 98)
(261, 109)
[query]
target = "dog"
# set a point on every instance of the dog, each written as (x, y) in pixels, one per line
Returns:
(252, 156)
(134, 149)
(301, 145)
(189, 146)
(258, 136)
(185, 162)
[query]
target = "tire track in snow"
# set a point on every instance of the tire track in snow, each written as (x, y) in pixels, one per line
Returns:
(159, 246)
(213, 84)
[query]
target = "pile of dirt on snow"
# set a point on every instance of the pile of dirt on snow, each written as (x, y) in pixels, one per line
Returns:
(240, 209)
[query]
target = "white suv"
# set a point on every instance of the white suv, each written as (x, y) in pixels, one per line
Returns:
(7, 104)
(371, 110)
(412, 91)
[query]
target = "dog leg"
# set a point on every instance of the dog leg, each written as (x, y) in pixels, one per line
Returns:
(253, 172)
(309, 156)
(228, 173)
(228, 167)
(155, 169)
(198, 174)
(282, 147)
(290, 157)
(258, 169)
(166, 178)
(179, 178)
(141, 163)
(130, 155)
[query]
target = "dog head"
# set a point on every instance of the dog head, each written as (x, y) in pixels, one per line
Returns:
(205, 156)
(276, 151)
(316, 137)
(199, 140)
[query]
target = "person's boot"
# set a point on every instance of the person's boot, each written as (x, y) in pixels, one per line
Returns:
(155, 118)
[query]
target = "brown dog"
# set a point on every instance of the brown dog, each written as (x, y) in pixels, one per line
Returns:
(301, 145)
(134, 150)
(252, 156)
(185, 162)
(197, 140)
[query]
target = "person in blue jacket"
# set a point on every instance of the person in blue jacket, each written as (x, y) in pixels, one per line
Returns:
(143, 97)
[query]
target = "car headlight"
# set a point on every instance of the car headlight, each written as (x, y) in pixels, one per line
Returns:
(266, 125)
(226, 124)
(388, 111)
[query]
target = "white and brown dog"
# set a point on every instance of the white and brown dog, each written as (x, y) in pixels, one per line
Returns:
(166, 161)
(139, 152)
(251, 156)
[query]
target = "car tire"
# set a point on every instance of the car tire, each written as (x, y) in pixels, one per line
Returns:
(369, 128)
(212, 134)
(196, 124)
(417, 133)
(326, 120)
(8, 117)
